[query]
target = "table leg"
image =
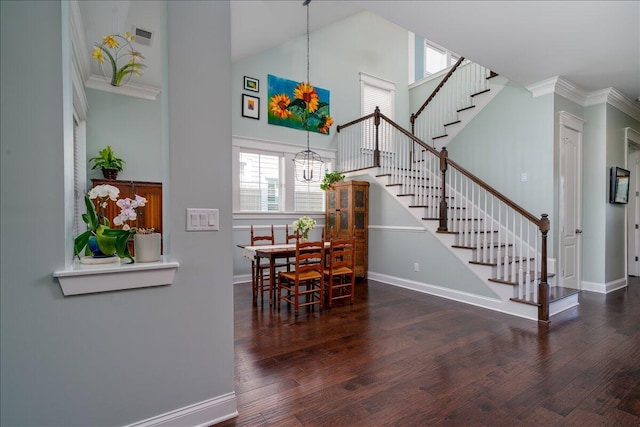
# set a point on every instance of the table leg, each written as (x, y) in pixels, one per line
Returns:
(272, 278)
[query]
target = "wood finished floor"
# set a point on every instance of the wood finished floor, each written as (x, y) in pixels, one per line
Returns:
(402, 358)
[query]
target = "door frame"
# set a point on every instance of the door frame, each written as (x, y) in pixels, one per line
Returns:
(631, 138)
(569, 121)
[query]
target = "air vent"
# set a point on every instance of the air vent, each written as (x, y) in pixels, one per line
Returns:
(142, 35)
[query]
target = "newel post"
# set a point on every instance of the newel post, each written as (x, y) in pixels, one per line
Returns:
(543, 286)
(376, 152)
(443, 197)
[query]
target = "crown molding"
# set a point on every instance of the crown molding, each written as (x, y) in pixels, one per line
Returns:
(130, 89)
(569, 90)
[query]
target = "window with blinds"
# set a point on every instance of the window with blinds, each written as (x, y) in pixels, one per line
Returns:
(379, 93)
(309, 196)
(260, 177)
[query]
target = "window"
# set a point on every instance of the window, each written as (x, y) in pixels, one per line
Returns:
(379, 93)
(309, 197)
(437, 58)
(264, 178)
(260, 182)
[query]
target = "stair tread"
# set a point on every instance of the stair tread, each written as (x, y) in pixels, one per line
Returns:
(508, 281)
(495, 245)
(466, 108)
(452, 123)
(481, 92)
(556, 293)
(495, 264)
(440, 136)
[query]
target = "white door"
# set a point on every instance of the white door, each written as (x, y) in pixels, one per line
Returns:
(570, 206)
(633, 212)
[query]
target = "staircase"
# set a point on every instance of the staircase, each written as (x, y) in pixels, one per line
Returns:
(502, 243)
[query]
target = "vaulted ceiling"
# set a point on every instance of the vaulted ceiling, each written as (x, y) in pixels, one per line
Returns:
(594, 44)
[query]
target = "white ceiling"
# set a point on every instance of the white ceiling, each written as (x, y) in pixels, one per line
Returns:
(594, 44)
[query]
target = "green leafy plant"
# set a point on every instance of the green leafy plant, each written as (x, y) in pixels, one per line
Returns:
(330, 178)
(107, 160)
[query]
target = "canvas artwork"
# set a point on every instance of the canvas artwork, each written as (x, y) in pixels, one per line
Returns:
(298, 105)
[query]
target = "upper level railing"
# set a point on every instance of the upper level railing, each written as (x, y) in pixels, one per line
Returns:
(503, 234)
(454, 94)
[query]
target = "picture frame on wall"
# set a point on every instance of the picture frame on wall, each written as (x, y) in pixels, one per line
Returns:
(251, 107)
(619, 191)
(251, 84)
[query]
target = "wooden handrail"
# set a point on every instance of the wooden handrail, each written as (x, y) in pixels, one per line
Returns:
(435, 91)
(353, 122)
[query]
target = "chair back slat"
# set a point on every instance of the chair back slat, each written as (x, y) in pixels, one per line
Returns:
(266, 239)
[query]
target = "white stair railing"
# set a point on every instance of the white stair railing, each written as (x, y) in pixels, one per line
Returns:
(442, 109)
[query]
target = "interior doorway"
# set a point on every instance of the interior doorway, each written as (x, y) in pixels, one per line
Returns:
(632, 141)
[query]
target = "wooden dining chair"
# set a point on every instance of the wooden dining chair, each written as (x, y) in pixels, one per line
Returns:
(290, 238)
(303, 286)
(339, 272)
(259, 271)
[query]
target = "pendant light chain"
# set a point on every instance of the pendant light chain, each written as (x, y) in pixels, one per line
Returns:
(308, 164)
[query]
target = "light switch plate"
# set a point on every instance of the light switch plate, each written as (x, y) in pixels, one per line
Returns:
(202, 219)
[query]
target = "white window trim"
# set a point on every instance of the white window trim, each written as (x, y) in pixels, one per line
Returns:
(369, 80)
(447, 53)
(289, 150)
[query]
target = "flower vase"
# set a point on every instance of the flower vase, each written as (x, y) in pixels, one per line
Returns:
(147, 247)
(97, 256)
(304, 237)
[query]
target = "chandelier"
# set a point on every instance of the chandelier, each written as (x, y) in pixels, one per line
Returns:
(308, 163)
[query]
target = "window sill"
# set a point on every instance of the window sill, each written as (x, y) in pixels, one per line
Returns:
(88, 279)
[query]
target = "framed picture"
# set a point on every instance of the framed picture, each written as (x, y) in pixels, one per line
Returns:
(251, 107)
(619, 191)
(251, 84)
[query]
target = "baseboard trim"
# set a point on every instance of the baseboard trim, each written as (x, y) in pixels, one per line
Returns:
(201, 414)
(604, 288)
(242, 278)
(527, 312)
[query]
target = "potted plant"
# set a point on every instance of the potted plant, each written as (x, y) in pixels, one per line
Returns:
(102, 240)
(108, 162)
(330, 178)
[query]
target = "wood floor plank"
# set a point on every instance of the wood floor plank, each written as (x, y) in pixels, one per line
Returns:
(401, 358)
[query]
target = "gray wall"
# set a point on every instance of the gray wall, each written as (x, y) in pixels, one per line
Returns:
(338, 53)
(131, 126)
(120, 357)
(393, 252)
(615, 214)
(595, 194)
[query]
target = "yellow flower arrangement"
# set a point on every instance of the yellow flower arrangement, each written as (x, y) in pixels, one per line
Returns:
(123, 59)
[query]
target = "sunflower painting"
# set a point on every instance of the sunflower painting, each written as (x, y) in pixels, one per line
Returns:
(298, 105)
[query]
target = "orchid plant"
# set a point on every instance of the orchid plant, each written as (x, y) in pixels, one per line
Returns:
(303, 225)
(109, 240)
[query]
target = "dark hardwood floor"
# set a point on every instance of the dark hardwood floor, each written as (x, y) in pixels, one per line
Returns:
(402, 358)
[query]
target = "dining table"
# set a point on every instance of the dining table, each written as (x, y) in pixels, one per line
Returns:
(272, 253)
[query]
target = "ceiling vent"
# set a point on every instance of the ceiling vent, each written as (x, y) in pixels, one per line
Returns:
(142, 35)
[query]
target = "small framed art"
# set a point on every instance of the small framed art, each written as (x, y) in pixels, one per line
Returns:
(251, 107)
(251, 84)
(619, 183)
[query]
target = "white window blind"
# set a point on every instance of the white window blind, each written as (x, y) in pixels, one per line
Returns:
(259, 181)
(309, 196)
(379, 93)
